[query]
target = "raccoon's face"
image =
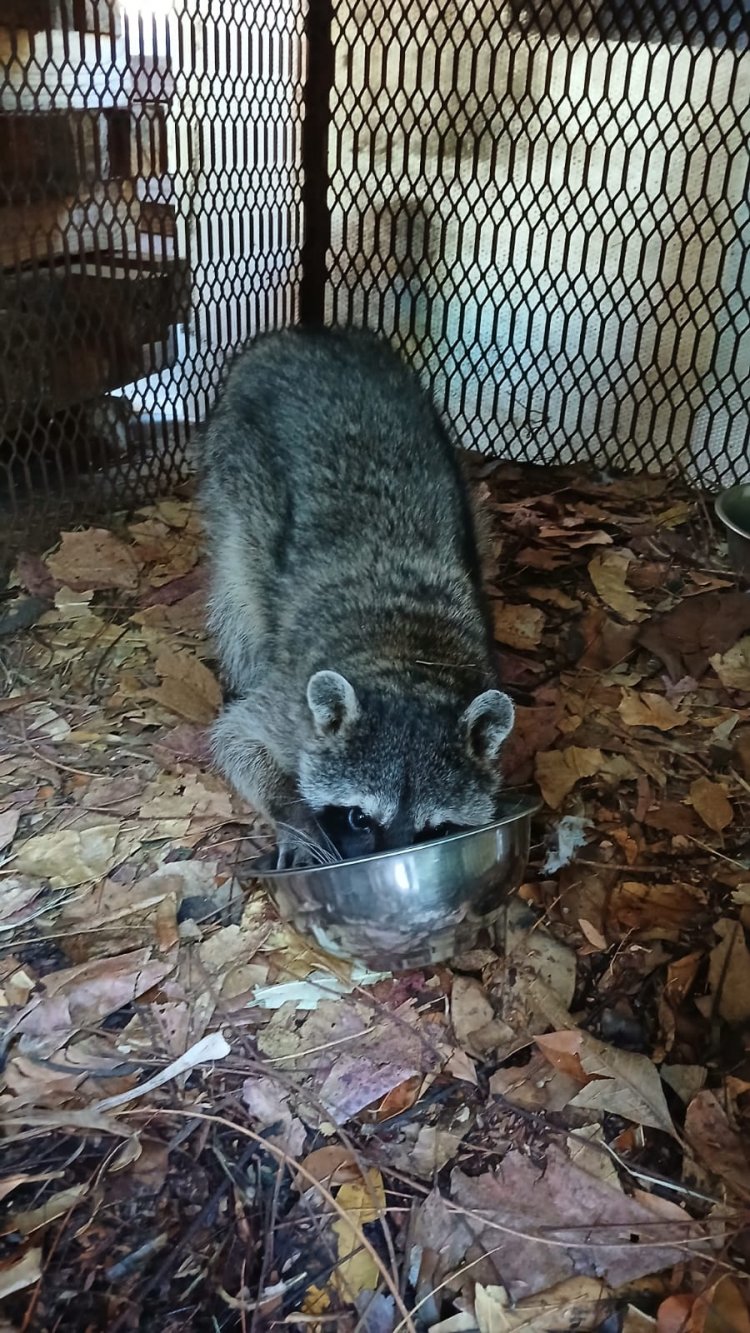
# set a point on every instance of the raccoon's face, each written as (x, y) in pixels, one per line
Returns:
(384, 772)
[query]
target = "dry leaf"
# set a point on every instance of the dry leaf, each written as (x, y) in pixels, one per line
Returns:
(621, 1082)
(519, 626)
(710, 801)
(729, 973)
(332, 1165)
(95, 558)
(505, 1215)
(17, 1274)
(733, 667)
(471, 1011)
(558, 771)
(608, 573)
(8, 825)
(576, 1304)
(267, 1102)
(654, 911)
(364, 1202)
(716, 1143)
(685, 638)
(74, 856)
(76, 996)
(650, 710)
(188, 688)
(57, 1205)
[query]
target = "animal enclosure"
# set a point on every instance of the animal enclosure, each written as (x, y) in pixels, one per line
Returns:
(544, 205)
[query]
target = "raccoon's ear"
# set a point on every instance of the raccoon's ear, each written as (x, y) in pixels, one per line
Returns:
(487, 722)
(332, 702)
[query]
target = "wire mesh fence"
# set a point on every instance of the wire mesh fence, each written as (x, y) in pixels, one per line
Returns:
(150, 221)
(544, 203)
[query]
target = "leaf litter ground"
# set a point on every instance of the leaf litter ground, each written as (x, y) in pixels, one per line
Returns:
(207, 1124)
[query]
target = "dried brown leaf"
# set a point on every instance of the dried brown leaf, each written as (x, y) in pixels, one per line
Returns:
(608, 573)
(73, 856)
(95, 558)
(710, 801)
(519, 626)
(579, 1303)
(729, 972)
(717, 1143)
(650, 710)
(558, 771)
(188, 688)
(733, 667)
(654, 911)
(685, 638)
(620, 1082)
(599, 1231)
(17, 1274)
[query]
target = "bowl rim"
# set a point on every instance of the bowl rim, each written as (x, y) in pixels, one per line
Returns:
(523, 808)
(742, 487)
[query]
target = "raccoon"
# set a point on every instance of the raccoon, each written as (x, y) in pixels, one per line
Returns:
(346, 602)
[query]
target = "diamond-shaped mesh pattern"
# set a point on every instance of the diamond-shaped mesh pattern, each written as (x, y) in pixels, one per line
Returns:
(150, 221)
(545, 204)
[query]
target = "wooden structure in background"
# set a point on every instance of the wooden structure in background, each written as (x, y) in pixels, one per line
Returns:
(90, 284)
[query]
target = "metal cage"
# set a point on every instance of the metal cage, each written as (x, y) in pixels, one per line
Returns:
(545, 205)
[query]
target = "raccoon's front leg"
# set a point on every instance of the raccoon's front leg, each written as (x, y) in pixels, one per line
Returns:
(244, 758)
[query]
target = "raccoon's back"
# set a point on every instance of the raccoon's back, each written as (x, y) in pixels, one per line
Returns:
(325, 445)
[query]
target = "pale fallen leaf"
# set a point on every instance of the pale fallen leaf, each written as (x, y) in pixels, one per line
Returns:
(558, 771)
(72, 856)
(594, 936)
(18, 901)
(729, 973)
(733, 667)
(710, 801)
(621, 1082)
(187, 688)
(505, 1215)
(363, 1200)
(8, 825)
(267, 1102)
(76, 996)
(518, 626)
(578, 1303)
(17, 1274)
(717, 1143)
(608, 573)
(686, 1080)
(74, 604)
(650, 710)
(535, 1086)
(95, 558)
(471, 1010)
(56, 1206)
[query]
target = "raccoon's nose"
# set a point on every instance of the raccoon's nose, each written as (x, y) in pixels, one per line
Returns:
(399, 833)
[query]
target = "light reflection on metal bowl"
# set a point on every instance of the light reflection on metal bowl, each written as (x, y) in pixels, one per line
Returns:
(411, 908)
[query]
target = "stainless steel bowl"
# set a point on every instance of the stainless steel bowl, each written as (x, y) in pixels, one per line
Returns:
(733, 510)
(411, 908)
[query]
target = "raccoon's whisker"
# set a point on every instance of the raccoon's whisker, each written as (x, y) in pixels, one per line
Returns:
(318, 854)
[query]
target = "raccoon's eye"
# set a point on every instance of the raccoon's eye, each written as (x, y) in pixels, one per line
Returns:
(358, 820)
